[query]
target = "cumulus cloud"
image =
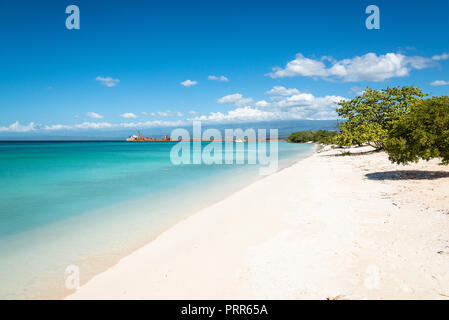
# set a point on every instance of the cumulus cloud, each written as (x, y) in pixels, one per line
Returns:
(235, 99)
(369, 67)
(237, 115)
(128, 115)
(303, 106)
(94, 115)
(218, 78)
(107, 81)
(288, 104)
(439, 83)
(189, 83)
(17, 127)
(282, 91)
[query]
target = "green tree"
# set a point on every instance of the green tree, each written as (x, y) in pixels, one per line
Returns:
(422, 134)
(370, 116)
(322, 136)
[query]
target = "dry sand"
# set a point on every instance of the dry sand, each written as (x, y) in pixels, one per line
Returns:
(328, 227)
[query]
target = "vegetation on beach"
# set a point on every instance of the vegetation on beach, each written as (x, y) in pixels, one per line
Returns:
(372, 115)
(317, 136)
(421, 134)
(399, 120)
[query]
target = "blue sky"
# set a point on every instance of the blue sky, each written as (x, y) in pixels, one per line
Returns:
(124, 67)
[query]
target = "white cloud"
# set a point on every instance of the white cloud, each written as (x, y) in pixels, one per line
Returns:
(218, 78)
(17, 127)
(149, 114)
(296, 105)
(107, 81)
(90, 125)
(99, 126)
(235, 99)
(300, 66)
(128, 115)
(32, 127)
(439, 83)
(369, 67)
(238, 115)
(154, 123)
(303, 106)
(444, 56)
(189, 83)
(289, 104)
(262, 103)
(167, 113)
(94, 115)
(55, 127)
(282, 91)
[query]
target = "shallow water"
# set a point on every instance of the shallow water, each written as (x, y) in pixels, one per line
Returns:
(90, 203)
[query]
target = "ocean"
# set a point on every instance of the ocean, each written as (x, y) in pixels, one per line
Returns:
(90, 203)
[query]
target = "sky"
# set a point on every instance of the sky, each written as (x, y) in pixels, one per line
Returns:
(141, 64)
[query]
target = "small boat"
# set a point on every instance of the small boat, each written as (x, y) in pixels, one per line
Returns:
(132, 138)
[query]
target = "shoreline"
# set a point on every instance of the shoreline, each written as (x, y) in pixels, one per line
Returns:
(167, 227)
(97, 238)
(306, 238)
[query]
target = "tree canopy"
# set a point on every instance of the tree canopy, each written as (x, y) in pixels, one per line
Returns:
(321, 136)
(422, 134)
(370, 116)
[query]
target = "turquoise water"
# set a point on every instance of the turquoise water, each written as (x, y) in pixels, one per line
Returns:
(90, 203)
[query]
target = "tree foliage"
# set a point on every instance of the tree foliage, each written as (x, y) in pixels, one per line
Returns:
(421, 134)
(321, 136)
(370, 116)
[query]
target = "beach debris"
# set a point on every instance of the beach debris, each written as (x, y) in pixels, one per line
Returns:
(338, 297)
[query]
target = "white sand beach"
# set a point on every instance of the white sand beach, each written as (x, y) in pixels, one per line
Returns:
(328, 227)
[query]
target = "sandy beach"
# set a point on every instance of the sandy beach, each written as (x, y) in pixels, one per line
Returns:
(328, 227)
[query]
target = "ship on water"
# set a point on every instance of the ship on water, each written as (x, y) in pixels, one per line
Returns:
(140, 137)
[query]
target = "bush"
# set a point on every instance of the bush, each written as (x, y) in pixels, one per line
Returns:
(320, 136)
(370, 116)
(422, 134)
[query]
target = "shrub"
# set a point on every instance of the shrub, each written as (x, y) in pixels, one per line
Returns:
(321, 136)
(422, 134)
(370, 116)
